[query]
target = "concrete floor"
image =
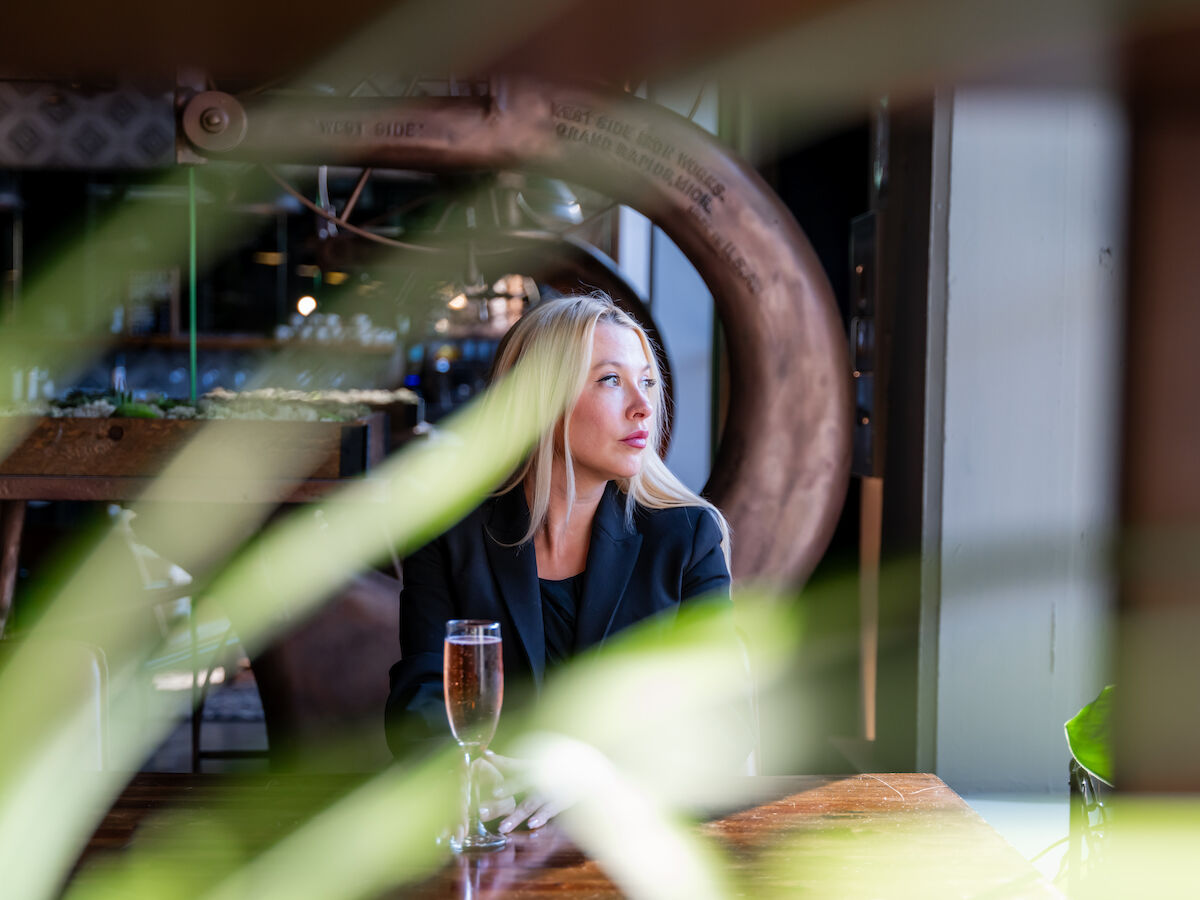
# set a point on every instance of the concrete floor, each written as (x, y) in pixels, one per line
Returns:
(1035, 824)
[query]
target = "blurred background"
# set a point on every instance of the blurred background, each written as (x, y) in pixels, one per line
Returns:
(1001, 201)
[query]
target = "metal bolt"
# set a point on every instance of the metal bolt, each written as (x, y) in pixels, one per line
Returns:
(214, 120)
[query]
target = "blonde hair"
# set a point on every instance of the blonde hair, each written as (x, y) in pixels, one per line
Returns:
(553, 344)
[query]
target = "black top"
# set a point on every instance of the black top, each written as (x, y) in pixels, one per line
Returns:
(480, 570)
(560, 603)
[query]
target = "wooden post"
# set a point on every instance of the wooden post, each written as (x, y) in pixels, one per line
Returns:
(870, 533)
(1158, 679)
(12, 521)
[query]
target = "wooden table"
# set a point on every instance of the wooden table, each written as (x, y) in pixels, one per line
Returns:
(858, 835)
(116, 459)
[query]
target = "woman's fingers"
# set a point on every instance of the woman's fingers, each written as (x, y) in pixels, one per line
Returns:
(514, 773)
(535, 811)
(485, 774)
(490, 782)
(524, 810)
(494, 809)
(506, 764)
(546, 812)
(495, 792)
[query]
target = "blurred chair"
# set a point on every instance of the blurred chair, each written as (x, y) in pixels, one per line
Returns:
(167, 592)
(324, 683)
(76, 672)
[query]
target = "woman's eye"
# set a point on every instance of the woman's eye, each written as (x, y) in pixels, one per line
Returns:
(648, 383)
(610, 379)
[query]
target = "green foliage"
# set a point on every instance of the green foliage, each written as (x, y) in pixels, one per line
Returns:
(134, 409)
(1089, 736)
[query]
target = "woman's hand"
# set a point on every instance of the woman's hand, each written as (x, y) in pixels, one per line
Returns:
(502, 781)
(496, 795)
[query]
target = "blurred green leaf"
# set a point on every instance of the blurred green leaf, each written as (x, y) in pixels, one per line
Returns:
(290, 840)
(910, 853)
(1089, 736)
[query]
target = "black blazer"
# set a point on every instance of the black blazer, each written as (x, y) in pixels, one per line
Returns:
(476, 571)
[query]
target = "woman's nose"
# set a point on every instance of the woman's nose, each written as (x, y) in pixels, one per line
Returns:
(640, 407)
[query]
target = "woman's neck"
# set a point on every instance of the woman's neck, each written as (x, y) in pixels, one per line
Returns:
(561, 544)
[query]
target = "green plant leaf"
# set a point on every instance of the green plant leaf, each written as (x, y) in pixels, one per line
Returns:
(135, 410)
(1089, 736)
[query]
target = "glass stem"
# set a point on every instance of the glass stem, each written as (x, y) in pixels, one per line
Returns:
(473, 824)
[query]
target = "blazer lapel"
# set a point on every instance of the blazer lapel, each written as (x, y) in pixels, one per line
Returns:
(515, 570)
(611, 558)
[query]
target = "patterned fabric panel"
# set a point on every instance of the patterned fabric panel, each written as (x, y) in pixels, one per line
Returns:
(52, 126)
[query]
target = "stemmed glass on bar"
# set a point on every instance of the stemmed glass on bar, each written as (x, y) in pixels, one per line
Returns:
(473, 679)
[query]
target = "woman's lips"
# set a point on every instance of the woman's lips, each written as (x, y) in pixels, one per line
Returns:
(637, 439)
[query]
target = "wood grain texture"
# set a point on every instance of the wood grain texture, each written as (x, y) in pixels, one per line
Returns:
(223, 490)
(141, 448)
(830, 836)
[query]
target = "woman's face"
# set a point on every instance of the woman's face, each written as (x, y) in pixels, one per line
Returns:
(611, 423)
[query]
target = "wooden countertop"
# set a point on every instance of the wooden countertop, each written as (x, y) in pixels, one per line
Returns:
(857, 835)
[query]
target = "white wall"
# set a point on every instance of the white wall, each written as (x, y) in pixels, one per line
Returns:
(683, 309)
(681, 306)
(1032, 255)
(633, 249)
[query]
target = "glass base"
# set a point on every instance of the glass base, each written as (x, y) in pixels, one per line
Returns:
(478, 841)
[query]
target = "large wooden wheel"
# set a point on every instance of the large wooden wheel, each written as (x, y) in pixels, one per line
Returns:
(781, 472)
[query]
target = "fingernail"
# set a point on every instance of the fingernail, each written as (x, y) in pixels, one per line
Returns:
(535, 823)
(505, 827)
(499, 791)
(484, 813)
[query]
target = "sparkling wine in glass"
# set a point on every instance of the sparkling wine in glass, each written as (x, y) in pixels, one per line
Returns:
(473, 682)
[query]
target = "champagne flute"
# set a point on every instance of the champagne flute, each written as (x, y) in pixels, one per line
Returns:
(473, 680)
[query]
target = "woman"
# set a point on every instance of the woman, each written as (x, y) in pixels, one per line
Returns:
(590, 535)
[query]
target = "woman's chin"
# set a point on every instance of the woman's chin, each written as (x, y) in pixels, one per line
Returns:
(630, 470)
